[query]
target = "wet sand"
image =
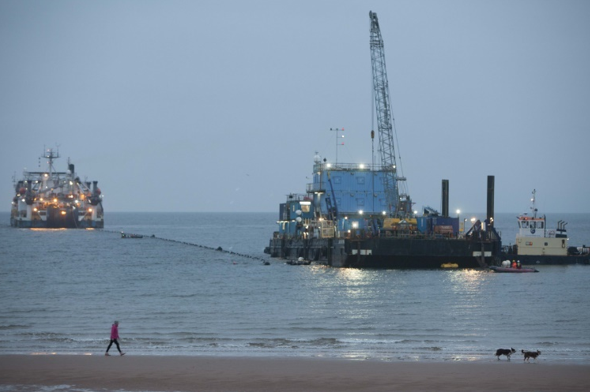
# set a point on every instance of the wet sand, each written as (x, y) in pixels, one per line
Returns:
(228, 374)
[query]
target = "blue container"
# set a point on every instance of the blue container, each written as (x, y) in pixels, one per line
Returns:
(354, 190)
(423, 224)
(444, 222)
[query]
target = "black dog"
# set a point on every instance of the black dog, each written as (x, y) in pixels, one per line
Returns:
(505, 351)
(530, 354)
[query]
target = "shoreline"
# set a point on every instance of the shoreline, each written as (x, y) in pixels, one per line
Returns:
(228, 374)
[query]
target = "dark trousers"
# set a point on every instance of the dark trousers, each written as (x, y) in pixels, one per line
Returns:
(111, 343)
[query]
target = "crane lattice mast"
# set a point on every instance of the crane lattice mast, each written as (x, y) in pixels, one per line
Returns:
(399, 202)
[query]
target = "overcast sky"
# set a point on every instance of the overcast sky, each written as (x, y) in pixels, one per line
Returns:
(222, 105)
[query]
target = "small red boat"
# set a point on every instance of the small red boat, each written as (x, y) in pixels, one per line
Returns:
(514, 270)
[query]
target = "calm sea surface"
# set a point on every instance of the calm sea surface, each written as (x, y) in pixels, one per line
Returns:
(60, 291)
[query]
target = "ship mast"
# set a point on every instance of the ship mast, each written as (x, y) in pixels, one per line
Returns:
(399, 203)
(50, 155)
(533, 206)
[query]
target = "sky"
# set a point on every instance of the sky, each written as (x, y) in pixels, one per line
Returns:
(220, 106)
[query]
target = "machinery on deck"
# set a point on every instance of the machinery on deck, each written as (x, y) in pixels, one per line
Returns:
(399, 201)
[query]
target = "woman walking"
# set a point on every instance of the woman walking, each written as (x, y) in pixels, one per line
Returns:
(114, 338)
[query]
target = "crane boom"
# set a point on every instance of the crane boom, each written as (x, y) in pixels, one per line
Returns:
(399, 203)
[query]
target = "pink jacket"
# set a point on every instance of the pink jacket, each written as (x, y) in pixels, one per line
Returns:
(115, 331)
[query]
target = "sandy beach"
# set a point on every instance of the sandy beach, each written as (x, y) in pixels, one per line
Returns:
(227, 374)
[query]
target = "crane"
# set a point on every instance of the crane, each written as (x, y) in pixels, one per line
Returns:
(398, 200)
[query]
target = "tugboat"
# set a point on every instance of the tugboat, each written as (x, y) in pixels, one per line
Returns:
(535, 245)
(52, 199)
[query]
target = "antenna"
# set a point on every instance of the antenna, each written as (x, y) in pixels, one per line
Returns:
(533, 207)
(338, 143)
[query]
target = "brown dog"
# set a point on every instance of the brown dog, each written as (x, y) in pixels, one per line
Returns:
(530, 354)
(505, 351)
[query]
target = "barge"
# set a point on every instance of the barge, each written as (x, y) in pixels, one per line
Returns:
(53, 199)
(356, 215)
(342, 221)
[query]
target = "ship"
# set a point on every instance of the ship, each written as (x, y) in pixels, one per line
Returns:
(357, 215)
(537, 245)
(53, 199)
(343, 221)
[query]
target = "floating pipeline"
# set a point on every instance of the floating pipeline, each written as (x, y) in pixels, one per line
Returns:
(218, 249)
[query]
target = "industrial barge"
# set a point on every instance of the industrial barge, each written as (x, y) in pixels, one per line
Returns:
(52, 199)
(355, 215)
(343, 221)
(537, 245)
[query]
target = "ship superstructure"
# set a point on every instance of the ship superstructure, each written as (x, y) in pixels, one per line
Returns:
(53, 199)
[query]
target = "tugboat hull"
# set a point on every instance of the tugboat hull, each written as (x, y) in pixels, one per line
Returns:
(550, 260)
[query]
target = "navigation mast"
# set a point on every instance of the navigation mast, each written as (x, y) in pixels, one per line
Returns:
(398, 201)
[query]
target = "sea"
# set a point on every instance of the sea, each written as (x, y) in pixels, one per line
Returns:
(197, 284)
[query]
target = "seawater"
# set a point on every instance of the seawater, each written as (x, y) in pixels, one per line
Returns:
(60, 291)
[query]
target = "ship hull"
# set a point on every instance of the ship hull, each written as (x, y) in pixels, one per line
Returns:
(57, 218)
(40, 224)
(548, 260)
(388, 253)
